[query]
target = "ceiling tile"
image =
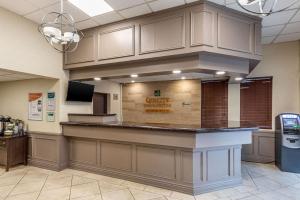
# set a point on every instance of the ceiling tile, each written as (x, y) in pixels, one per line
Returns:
(135, 11)
(288, 37)
(278, 18)
(36, 16)
(267, 40)
(272, 30)
(296, 18)
(235, 6)
(21, 7)
(221, 2)
(285, 3)
(107, 18)
(121, 4)
(292, 28)
(164, 4)
(76, 13)
(86, 24)
(43, 3)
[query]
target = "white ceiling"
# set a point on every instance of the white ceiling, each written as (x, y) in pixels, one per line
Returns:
(280, 27)
(6, 75)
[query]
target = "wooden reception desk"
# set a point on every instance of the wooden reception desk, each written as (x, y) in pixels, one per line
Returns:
(183, 158)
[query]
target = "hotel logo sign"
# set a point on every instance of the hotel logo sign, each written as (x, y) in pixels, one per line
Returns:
(157, 105)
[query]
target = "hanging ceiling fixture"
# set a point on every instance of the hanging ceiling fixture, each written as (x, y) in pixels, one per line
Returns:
(264, 7)
(58, 28)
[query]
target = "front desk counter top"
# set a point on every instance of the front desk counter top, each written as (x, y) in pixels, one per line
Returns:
(162, 127)
(184, 158)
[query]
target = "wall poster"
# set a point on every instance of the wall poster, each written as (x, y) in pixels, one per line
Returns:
(35, 106)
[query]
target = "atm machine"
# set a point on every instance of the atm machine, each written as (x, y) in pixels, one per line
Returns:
(287, 142)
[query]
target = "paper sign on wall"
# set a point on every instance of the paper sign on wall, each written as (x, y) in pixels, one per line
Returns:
(51, 101)
(50, 116)
(35, 106)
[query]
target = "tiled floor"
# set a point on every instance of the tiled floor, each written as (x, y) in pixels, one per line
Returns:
(260, 182)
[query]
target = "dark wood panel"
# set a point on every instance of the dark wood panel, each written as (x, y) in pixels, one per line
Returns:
(214, 104)
(99, 103)
(256, 102)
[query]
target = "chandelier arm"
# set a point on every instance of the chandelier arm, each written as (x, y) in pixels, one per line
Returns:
(273, 6)
(265, 13)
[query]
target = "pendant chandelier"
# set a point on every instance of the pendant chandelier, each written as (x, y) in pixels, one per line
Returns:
(58, 28)
(264, 7)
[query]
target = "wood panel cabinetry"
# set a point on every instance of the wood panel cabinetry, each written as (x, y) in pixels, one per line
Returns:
(84, 53)
(202, 20)
(234, 33)
(162, 34)
(180, 31)
(116, 43)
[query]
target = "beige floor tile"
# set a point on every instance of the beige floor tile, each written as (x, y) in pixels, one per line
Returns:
(108, 187)
(58, 182)
(143, 195)
(260, 182)
(118, 195)
(27, 196)
(207, 196)
(11, 180)
(181, 196)
(27, 188)
(33, 177)
(158, 190)
(273, 196)
(77, 180)
(83, 190)
(134, 185)
(55, 194)
(104, 179)
(93, 197)
(5, 190)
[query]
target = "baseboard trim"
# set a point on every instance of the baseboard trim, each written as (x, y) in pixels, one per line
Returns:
(45, 164)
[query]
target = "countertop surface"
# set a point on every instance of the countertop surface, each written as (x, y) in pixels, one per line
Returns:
(162, 127)
(103, 115)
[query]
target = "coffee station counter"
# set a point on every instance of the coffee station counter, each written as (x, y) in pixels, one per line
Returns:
(188, 159)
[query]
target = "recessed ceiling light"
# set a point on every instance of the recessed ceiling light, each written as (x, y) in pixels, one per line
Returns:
(97, 79)
(238, 78)
(92, 7)
(220, 72)
(183, 78)
(132, 81)
(176, 71)
(134, 75)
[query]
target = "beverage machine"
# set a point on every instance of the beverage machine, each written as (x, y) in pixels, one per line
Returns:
(287, 142)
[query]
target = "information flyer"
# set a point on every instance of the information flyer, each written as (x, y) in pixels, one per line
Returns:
(35, 106)
(51, 101)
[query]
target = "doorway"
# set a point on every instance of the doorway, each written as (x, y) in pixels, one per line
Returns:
(100, 103)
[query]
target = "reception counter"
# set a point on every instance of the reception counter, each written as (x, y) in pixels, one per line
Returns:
(184, 158)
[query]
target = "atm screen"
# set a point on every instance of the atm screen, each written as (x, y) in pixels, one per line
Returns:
(290, 122)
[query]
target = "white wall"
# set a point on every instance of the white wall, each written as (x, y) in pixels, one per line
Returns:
(23, 49)
(14, 102)
(233, 104)
(282, 62)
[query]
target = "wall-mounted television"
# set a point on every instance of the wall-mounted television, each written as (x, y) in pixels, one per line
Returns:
(78, 91)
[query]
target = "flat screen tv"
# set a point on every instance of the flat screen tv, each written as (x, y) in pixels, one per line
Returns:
(80, 92)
